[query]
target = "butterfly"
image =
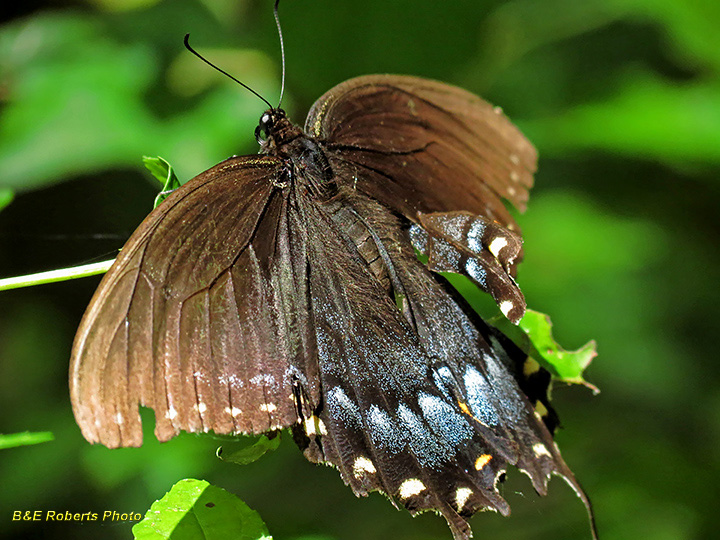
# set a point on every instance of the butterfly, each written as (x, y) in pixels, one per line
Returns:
(283, 290)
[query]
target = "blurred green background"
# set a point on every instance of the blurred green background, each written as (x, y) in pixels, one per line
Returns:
(622, 99)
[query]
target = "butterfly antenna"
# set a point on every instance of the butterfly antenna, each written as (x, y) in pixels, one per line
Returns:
(282, 51)
(209, 63)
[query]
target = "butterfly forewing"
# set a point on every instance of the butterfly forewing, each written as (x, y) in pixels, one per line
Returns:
(188, 319)
(420, 145)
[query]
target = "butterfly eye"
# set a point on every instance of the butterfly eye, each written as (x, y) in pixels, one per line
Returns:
(262, 132)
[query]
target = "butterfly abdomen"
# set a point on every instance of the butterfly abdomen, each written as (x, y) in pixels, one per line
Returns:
(358, 232)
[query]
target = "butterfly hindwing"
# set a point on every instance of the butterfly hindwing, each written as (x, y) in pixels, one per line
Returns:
(418, 404)
(383, 423)
(481, 249)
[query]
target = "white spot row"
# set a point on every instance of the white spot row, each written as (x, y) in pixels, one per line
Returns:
(506, 306)
(461, 497)
(363, 465)
(477, 272)
(539, 449)
(496, 245)
(263, 379)
(478, 395)
(235, 412)
(411, 487)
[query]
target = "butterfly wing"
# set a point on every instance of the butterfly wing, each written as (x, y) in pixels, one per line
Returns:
(417, 403)
(200, 317)
(383, 422)
(418, 145)
(435, 153)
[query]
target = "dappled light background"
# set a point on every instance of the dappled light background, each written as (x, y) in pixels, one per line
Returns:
(622, 100)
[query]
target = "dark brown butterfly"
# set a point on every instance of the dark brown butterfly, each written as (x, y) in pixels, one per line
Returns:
(283, 290)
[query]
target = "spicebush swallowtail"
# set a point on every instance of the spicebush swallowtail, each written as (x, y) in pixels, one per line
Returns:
(283, 290)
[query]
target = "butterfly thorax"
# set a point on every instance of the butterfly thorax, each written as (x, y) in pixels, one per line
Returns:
(305, 158)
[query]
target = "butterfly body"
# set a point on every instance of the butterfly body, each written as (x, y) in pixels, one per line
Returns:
(283, 290)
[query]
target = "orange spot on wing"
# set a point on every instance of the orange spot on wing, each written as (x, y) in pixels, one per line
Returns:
(481, 461)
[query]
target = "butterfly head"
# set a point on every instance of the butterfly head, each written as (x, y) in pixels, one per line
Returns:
(274, 130)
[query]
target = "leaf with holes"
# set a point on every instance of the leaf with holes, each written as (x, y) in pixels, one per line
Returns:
(196, 510)
(534, 336)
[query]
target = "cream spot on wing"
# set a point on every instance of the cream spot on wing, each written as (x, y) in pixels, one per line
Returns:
(363, 465)
(119, 419)
(461, 497)
(315, 426)
(481, 461)
(514, 176)
(539, 449)
(411, 487)
(171, 413)
(497, 244)
(269, 407)
(497, 110)
(511, 191)
(506, 307)
(202, 407)
(514, 159)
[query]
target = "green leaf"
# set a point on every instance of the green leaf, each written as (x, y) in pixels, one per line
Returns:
(672, 123)
(6, 197)
(249, 454)
(567, 366)
(164, 172)
(534, 335)
(196, 510)
(24, 439)
(77, 102)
